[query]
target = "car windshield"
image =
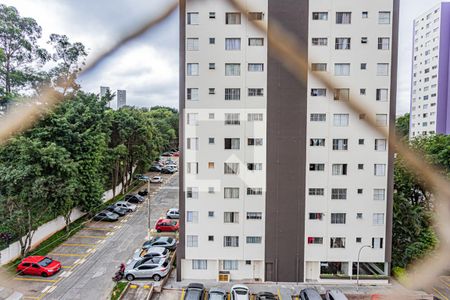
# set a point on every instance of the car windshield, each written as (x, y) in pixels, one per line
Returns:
(45, 262)
(173, 223)
(165, 252)
(165, 264)
(169, 240)
(241, 292)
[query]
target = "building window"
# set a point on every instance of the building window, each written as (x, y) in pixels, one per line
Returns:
(230, 265)
(192, 192)
(232, 69)
(360, 166)
(339, 169)
(192, 217)
(340, 120)
(383, 69)
(232, 94)
(338, 194)
(211, 165)
(212, 41)
(212, 91)
(254, 142)
(342, 69)
(319, 67)
(318, 117)
(231, 168)
(256, 41)
(363, 66)
(254, 191)
(381, 120)
(192, 119)
(231, 241)
(379, 194)
(199, 264)
(384, 43)
(192, 168)
(192, 69)
(192, 241)
(192, 94)
(255, 92)
(253, 239)
(380, 170)
(338, 218)
(359, 216)
(212, 66)
(316, 192)
(315, 216)
(254, 166)
(212, 15)
(192, 44)
(254, 117)
(211, 116)
(377, 243)
(343, 43)
(323, 16)
(384, 17)
(340, 144)
(254, 216)
(360, 191)
(319, 41)
(365, 14)
(233, 44)
(211, 191)
(233, 18)
(378, 219)
(231, 217)
(232, 119)
(256, 67)
(318, 92)
(317, 167)
(231, 193)
(358, 240)
(315, 240)
(380, 144)
(364, 40)
(192, 143)
(337, 242)
(193, 18)
(361, 141)
(382, 95)
(255, 16)
(317, 142)
(343, 18)
(342, 94)
(232, 143)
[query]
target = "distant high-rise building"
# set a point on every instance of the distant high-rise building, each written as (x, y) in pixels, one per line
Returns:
(121, 98)
(103, 91)
(430, 100)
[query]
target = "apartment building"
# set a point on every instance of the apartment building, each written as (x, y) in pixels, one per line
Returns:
(430, 101)
(280, 180)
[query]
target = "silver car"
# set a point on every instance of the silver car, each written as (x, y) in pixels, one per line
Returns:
(126, 205)
(151, 252)
(173, 213)
(310, 294)
(239, 292)
(154, 268)
(335, 294)
(217, 294)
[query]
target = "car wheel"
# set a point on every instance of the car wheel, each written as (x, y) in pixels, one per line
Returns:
(130, 277)
(44, 274)
(169, 217)
(157, 230)
(156, 277)
(20, 273)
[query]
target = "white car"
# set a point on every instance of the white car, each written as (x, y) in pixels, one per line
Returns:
(175, 167)
(173, 213)
(156, 179)
(126, 205)
(239, 292)
(151, 252)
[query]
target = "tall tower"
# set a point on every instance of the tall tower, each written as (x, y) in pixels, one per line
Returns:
(121, 98)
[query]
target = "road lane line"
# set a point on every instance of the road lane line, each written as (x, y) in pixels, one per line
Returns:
(46, 289)
(34, 279)
(442, 295)
(444, 281)
(52, 289)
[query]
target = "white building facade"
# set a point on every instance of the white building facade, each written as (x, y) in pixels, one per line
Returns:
(279, 180)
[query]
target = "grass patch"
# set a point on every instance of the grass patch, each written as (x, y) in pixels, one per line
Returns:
(118, 289)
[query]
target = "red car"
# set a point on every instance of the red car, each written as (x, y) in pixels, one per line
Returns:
(166, 225)
(39, 265)
(176, 154)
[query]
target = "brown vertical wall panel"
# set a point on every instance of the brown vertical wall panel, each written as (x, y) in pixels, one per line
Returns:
(286, 152)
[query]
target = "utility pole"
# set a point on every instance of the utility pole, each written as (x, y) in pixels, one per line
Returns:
(357, 266)
(148, 207)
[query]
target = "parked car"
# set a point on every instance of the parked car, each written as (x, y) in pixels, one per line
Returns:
(172, 166)
(117, 210)
(126, 205)
(166, 154)
(39, 266)
(155, 168)
(151, 268)
(195, 291)
(166, 225)
(106, 216)
(239, 292)
(141, 177)
(168, 171)
(266, 296)
(335, 294)
(173, 213)
(134, 198)
(217, 294)
(151, 252)
(156, 179)
(143, 192)
(161, 241)
(176, 154)
(310, 294)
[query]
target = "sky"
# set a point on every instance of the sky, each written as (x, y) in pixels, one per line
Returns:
(148, 67)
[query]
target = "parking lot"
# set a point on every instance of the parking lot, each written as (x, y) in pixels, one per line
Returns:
(90, 258)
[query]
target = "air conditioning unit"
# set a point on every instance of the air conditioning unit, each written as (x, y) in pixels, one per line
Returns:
(224, 276)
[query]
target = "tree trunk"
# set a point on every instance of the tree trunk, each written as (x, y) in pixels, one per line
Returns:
(67, 220)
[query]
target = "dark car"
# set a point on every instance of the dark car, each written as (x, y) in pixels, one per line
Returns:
(266, 296)
(161, 241)
(166, 154)
(134, 198)
(310, 294)
(106, 216)
(117, 210)
(143, 192)
(155, 169)
(195, 291)
(168, 170)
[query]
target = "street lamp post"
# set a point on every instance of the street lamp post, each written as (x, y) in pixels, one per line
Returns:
(148, 208)
(357, 266)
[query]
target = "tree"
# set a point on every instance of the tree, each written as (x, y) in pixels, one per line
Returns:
(20, 53)
(402, 126)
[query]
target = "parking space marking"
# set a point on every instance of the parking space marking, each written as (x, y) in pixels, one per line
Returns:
(279, 294)
(67, 267)
(65, 274)
(444, 281)
(68, 254)
(91, 236)
(52, 289)
(30, 297)
(99, 229)
(442, 295)
(78, 245)
(35, 279)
